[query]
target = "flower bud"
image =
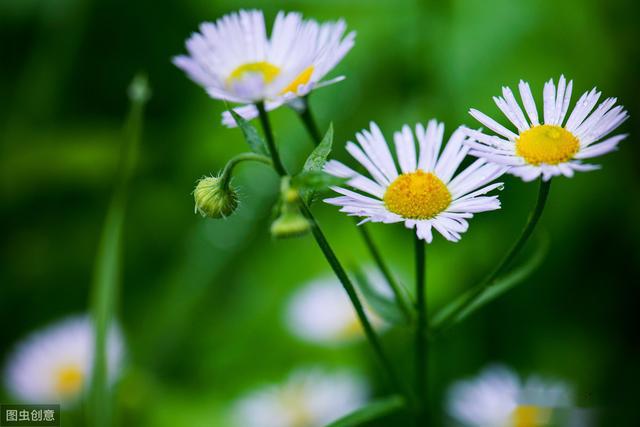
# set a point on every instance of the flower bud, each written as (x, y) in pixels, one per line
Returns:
(213, 200)
(290, 223)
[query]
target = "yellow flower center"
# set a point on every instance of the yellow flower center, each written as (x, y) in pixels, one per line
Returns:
(530, 416)
(417, 195)
(547, 144)
(268, 71)
(302, 79)
(69, 380)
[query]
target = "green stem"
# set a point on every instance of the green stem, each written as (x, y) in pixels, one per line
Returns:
(271, 144)
(340, 272)
(227, 172)
(370, 333)
(400, 296)
(478, 290)
(308, 119)
(108, 265)
(309, 122)
(421, 327)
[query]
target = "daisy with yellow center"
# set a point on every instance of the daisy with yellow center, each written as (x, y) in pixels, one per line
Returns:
(425, 193)
(554, 147)
(319, 313)
(498, 398)
(310, 397)
(54, 365)
(235, 60)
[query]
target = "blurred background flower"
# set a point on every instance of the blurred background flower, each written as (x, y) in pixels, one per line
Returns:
(320, 312)
(54, 364)
(309, 397)
(497, 398)
(202, 301)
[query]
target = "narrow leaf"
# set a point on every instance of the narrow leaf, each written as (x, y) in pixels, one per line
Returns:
(384, 305)
(108, 259)
(373, 411)
(251, 135)
(499, 287)
(317, 159)
(509, 281)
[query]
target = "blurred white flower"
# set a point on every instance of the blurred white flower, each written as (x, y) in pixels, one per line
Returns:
(54, 364)
(497, 398)
(234, 60)
(308, 398)
(551, 148)
(321, 312)
(425, 193)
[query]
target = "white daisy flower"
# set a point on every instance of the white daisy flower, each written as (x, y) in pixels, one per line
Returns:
(320, 312)
(54, 365)
(308, 398)
(234, 60)
(555, 147)
(424, 193)
(497, 398)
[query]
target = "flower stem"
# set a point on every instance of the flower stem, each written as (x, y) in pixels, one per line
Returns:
(421, 342)
(340, 272)
(309, 122)
(227, 172)
(271, 144)
(306, 115)
(400, 296)
(478, 290)
(370, 333)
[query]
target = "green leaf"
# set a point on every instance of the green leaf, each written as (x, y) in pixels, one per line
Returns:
(373, 411)
(384, 305)
(499, 287)
(251, 135)
(316, 160)
(318, 156)
(106, 277)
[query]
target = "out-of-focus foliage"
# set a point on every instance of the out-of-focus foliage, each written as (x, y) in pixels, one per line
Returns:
(202, 300)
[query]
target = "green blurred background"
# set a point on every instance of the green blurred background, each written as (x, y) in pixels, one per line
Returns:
(202, 300)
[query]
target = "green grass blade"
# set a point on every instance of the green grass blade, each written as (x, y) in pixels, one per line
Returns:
(383, 305)
(499, 287)
(373, 411)
(108, 260)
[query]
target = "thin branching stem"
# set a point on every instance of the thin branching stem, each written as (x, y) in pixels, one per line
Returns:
(309, 122)
(271, 144)
(227, 172)
(400, 295)
(478, 290)
(338, 269)
(308, 119)
(421, 327)
(348, 286)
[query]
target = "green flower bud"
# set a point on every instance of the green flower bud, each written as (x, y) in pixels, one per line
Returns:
(290, 223)
(213, 200)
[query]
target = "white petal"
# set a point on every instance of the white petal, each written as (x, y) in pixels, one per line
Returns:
(549, 105)
(528, 101)
(492, 124)
(601, 148)
(405, 149)
(453, 154)
(364, 160)
(584, 105)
